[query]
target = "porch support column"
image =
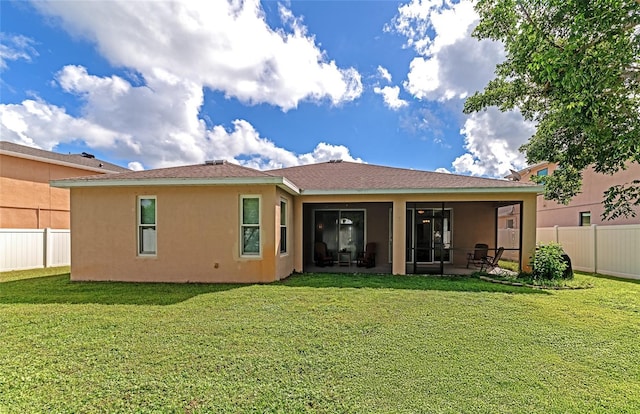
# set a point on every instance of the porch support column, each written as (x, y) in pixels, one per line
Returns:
(528, 219)
(298, 242)
(399, 241)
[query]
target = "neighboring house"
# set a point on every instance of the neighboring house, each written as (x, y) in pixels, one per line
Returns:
(26, 199)
(221, 222)
(584, 209)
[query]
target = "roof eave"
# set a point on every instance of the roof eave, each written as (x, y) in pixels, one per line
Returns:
(471, 190)
(157, 182)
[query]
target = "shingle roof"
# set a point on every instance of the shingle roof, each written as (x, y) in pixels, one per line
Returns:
(327, 177)
(343, 175)
(74, 159)
(198, 171)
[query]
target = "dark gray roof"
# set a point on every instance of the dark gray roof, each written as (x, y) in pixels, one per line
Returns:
(328, 177)
(198, 171)
(344, 175)
(76, 159)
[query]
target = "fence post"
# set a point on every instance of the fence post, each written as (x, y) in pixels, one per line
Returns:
(557, 236)
(594, 249)
(47, 247)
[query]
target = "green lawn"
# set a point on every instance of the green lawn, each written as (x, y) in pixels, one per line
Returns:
(318, 343)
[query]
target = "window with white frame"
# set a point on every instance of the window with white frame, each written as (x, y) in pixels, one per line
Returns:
(147, 239)
(283, 226)
(250, 225)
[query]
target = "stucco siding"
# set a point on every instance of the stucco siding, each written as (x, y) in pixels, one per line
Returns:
(551, 213)
(27, 200)
(198, 232)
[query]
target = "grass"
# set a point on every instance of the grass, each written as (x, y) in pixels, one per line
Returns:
(318, 343)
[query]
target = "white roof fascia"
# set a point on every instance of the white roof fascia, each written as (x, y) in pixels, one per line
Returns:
(288, 186)
(471, 190)
(151, 182)
(57, 162)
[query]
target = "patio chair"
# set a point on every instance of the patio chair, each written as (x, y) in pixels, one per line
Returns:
(491, 262)
(321, 255)
(368, 257)
(480, 251)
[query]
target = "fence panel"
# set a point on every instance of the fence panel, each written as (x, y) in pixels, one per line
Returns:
(618, 252)
(578, 243)
(21, 249)
(609, 250)
(59, 248)
(546, 234)
(34, 248)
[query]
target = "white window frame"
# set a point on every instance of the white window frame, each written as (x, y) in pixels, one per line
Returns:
(140, 225)
(243, 225)
(284, 202)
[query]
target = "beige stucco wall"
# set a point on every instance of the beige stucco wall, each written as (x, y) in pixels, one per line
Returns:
(197, 235)
(26, 199)
(198, 231)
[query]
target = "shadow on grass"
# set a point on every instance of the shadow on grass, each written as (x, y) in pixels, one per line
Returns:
(411, 282)
(59, 289)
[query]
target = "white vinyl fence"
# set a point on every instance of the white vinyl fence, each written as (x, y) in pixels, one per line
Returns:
(34, 248)
(608, 250)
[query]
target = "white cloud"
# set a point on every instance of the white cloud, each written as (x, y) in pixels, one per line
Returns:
(175, 50)
(391, 96)
(14, 47)
(135, 166)
(492, 139)
(442, 170)
(39, 124)
(384, 73)
(450, 63)
(450, 66)
(258, 152)
(225, 46)
(155, 125)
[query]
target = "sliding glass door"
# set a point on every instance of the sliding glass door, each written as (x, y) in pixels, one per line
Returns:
(341, 230)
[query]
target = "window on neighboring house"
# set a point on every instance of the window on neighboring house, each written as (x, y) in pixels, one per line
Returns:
(585, 218)
(250, 226)
(543, 172)
(147, 239)
(283, 226)
(510, 224)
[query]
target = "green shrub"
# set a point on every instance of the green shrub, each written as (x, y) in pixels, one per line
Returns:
(548, 263)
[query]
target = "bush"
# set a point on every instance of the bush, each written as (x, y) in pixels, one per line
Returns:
(548, 263)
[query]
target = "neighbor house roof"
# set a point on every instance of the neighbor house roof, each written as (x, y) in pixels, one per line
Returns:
(322, 178)
(85, 162)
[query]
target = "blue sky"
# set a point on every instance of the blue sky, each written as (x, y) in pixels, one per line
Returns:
(266, 84)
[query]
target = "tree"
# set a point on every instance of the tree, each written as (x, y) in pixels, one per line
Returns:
(573, 67)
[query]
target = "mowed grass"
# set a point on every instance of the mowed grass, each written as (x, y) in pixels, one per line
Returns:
(318, 343)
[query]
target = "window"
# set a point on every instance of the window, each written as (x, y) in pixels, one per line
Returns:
(147, 225)
(510, 224)
(250, 226)
(585, 218)
(543, 172)
(283, 226)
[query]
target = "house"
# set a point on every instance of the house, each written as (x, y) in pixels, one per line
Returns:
(222, 222)
(584, 209)
(26, 199)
